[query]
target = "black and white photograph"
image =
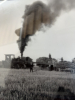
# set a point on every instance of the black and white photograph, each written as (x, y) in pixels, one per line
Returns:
(37, 49)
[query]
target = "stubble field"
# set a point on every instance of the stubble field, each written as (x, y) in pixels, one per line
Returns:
(38, 85)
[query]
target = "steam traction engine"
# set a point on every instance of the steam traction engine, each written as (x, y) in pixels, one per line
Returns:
(18, 63)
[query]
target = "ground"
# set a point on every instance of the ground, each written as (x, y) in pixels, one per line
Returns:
(20, 84)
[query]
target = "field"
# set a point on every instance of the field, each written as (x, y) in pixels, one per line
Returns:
(37, 85)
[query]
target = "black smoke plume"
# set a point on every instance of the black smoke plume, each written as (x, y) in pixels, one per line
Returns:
(39, 13)
(58, 6)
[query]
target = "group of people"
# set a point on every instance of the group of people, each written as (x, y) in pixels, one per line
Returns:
(31, 67)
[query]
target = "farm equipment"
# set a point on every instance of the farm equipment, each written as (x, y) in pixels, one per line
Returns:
(21, 63)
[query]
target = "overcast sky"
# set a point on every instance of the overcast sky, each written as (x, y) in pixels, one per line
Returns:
(58, 40)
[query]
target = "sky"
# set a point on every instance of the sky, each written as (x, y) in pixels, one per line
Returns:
(57, 40)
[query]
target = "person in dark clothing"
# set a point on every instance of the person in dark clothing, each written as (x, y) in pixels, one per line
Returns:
(31, 67)
(51, 67)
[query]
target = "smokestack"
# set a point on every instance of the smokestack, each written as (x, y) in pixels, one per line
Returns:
(39, 13)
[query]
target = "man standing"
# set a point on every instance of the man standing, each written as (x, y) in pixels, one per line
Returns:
(31, 67)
